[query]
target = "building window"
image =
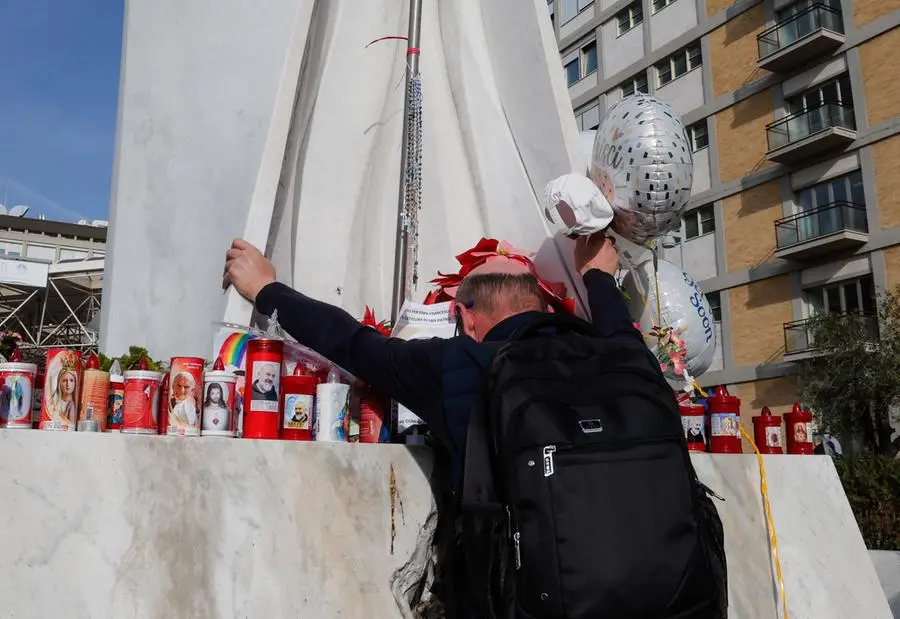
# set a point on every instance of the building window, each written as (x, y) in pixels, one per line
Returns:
(9, 249)
(569, 9)
(588, 118)
(582, 64)
(629, 18)
(833, 91)
(638, 83)
(678, 64)
(850, 296)
(41, 252)
(589, 58)
(699, 222)
(715, 305)
(698, 136)
(659, 5)
(68, 253)
(846, 188)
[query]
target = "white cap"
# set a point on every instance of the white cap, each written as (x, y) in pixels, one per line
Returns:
(574, 203)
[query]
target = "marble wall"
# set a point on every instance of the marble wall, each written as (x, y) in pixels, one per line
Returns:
(126, 527)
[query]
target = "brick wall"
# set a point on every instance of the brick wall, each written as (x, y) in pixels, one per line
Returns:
(881, 76)
(734, 51)
(886, 155)
(865, 11)
(741, 136)
(758, 313)
(714, 6)
(749, 225)
(892, 266)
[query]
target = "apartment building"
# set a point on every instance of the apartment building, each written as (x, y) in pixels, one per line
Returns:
(793, 113)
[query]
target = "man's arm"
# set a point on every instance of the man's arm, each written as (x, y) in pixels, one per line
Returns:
(407, 371)
(609, 312)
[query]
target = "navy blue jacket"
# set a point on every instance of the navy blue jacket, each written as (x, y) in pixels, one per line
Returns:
(435, 378)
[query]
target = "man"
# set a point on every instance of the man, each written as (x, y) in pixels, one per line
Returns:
(439, 380)
(435, 378)
(264, 382)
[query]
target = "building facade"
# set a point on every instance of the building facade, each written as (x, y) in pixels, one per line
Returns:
(51, 280)
(793, 112)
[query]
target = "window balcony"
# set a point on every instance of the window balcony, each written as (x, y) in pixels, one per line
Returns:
(833, 227)
(812, 33)
(799, 342)
(810, 132)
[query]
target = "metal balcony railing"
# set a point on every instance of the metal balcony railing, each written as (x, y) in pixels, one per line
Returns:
(810, 121)
(819, 222)
(798, 337)
(809, 21)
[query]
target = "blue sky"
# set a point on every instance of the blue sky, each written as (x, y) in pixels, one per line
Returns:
(59, 82)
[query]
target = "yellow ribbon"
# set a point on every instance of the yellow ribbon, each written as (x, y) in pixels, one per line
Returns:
(763, 486)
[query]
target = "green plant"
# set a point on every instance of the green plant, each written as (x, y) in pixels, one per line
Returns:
(872, 484)
(853, 380)
(129, 359)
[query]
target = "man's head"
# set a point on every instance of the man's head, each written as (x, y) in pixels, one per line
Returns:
(265, 376)
(492, 293)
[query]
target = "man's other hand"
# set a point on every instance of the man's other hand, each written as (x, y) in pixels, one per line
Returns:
(247, 269)
(597, 251)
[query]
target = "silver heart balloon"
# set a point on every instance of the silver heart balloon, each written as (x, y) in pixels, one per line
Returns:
(642, 163)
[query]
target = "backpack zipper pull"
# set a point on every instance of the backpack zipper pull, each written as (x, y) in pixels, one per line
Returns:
(509, 530)
(549, 450)
(516, 540)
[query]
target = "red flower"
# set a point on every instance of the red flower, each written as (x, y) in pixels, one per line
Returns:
(369, 320)
(492, 249)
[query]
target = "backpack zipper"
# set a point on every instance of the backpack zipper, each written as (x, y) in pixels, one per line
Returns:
(516, 544)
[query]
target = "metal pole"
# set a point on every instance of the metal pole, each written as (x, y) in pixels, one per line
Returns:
(401, 244)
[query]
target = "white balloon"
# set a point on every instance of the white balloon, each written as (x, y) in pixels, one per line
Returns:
(683, 306)
(643, 164)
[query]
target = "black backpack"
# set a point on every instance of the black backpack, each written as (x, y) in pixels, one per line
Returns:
(579, 497)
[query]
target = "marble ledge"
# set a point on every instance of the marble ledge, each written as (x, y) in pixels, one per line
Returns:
(128, 527)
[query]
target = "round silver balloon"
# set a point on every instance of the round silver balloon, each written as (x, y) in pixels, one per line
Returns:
(642, 163)
(682, 306)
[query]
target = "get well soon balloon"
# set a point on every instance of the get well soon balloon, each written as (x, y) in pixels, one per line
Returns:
(683, 306)
(643, 165)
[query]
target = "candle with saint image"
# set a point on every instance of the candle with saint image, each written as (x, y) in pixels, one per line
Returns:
(59, 408)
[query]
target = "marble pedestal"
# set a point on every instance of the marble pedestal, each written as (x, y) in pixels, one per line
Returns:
(128, 527)
(134, 527)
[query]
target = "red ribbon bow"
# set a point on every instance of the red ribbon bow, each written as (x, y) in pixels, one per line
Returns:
(492, 249)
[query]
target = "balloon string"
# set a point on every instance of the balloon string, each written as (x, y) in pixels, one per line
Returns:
(656, 280)
(764, 489)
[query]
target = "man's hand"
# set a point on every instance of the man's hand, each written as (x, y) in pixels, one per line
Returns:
(247, 269)
(597, 251)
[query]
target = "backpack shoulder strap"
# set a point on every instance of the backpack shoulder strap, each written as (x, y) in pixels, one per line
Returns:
(478, 478)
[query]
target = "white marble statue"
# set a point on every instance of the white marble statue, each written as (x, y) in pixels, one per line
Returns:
(273, 121)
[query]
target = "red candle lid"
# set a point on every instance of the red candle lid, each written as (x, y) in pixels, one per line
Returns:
(142, 364)
(796, 410)
(218, 366)
(93, 362)
(722, 394)
(16, 356)
(767, 412)
(300, 370)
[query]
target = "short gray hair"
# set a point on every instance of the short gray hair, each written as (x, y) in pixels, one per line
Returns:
(489, 292)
